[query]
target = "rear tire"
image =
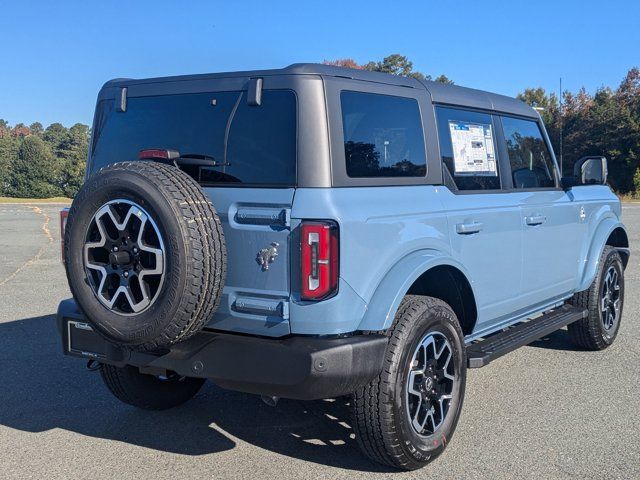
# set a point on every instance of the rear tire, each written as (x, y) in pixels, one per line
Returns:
(148, 392)
(600, 328)
(387, 412)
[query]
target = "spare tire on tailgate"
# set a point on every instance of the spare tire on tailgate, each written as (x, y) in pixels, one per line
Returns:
(144, 254)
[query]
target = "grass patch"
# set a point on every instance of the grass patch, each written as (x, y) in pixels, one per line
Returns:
(35, 200)
(628, 197)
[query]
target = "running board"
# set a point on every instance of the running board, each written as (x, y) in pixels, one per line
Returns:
(481, 353)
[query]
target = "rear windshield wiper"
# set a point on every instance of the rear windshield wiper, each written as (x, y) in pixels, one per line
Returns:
(200, 160)
(175, 157)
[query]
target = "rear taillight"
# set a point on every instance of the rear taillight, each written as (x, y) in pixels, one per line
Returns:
(319, 255)
(64, 213)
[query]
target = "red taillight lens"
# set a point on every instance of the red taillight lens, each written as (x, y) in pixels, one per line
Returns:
(319, 254)
(158, 154)
(64, 213)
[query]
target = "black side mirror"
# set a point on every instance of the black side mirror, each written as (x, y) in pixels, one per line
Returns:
(590, 170)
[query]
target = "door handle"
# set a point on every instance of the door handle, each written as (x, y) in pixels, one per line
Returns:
(535, 220)
(469, 228)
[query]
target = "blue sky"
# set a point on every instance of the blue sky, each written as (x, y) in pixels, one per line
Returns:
(55, 55)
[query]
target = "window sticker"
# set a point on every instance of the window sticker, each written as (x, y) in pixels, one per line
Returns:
(473, 151)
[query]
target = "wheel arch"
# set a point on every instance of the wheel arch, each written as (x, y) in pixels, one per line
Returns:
(609, 232)
(425, 272)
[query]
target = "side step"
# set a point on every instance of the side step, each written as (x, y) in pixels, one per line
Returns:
(484, 351)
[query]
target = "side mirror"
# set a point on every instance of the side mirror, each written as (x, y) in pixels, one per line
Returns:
(591, 171)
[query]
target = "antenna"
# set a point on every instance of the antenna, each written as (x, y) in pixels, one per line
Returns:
(561, 121)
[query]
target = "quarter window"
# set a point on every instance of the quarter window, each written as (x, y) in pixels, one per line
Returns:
(467, 147)
(531, 162)
(382, 136)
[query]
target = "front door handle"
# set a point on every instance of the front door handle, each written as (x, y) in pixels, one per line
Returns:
(469, 228)
(535, 220)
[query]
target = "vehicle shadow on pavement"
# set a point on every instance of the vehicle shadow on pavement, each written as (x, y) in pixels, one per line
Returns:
(42, 390)
(558, 340)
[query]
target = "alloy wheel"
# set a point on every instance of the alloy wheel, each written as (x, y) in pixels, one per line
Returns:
(124, 257)
(430, 383)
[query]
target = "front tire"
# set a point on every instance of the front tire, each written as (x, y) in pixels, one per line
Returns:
(149, 392)
(604, 299)
(407, 415)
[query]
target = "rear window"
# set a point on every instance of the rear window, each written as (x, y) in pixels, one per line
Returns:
(382, 136)
(253, 145)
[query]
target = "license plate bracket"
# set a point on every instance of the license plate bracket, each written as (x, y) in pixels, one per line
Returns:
(83, 341)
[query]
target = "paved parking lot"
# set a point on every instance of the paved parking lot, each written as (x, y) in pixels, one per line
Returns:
(544, 411)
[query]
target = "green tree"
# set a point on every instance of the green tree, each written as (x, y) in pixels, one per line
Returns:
(443, 79)
(8, 152)
(36, 128)
(636, 181)
(394, 64)
(73, 155)
(55, 135)
(34, 171)
(344, 62)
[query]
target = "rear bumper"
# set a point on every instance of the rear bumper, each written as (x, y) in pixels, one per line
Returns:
(305, 368)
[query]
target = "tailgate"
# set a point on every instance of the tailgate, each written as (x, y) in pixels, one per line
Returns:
(256, 229)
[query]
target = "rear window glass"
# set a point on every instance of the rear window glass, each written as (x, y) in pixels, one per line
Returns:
(250, 144)
(382, 136)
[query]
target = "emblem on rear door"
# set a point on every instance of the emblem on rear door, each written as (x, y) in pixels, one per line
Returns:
(267, 256)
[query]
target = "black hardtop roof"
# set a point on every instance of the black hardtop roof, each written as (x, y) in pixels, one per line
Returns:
(439, 92)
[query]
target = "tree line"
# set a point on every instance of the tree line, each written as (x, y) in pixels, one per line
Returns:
(38, 162)
(604, 123)
(45, 162)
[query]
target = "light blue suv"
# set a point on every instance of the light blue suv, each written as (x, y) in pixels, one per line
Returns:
(314, 232)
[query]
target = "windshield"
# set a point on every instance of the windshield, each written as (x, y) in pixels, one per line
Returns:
(253, 145)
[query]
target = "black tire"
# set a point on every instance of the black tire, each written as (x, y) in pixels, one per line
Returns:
(148, 392)
(381, 419)
(590, 333)
(194, 258)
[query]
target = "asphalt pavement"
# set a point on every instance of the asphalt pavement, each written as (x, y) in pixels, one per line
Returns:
(543, 411)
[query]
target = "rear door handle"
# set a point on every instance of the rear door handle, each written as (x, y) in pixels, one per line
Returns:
(535, 220)
(469, 228)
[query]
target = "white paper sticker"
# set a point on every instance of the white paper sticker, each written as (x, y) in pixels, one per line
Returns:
(473, 151)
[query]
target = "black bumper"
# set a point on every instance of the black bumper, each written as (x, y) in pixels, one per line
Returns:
(304, 368)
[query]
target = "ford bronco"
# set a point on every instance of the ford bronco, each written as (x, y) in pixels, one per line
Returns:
(313, 232)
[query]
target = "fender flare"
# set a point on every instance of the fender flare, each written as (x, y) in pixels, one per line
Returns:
(598, 242)
(387, 296)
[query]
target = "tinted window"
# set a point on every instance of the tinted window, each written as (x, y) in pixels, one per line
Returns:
(531, 163)
(467, 146)
(252, 144)
(382, 136)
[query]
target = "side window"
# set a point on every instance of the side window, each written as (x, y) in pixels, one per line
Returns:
(382, 136)
(531, 162)
(468, 150)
